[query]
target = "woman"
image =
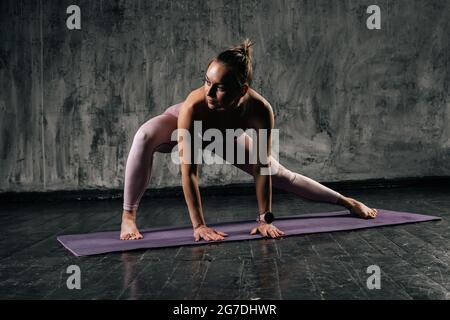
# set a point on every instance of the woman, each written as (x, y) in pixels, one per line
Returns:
(225, 101)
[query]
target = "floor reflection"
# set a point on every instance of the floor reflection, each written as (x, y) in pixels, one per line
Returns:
(130, 285)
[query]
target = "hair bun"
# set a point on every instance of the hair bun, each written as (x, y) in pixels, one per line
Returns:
(246, 47)
(239, 59)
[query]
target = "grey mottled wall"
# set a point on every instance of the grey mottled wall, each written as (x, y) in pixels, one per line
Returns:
(350, 103)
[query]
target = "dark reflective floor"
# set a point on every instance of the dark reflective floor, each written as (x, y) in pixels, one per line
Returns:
(414, 259)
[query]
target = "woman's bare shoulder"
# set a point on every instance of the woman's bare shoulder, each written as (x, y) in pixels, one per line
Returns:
(257, 100)
(195, 98)
(193, 105)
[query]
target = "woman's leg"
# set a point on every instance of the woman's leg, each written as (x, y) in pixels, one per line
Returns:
(287, 180)
(152, 136)
(303, 186)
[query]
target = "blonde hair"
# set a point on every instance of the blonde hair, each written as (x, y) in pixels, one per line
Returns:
(239, 59)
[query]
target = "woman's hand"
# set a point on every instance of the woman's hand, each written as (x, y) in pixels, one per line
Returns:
(207, 233)
(267, 229)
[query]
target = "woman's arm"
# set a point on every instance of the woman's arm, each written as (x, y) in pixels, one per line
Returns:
(263, 122)
(189, 170)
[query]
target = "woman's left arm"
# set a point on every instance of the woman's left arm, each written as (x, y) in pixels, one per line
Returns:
(263, 122)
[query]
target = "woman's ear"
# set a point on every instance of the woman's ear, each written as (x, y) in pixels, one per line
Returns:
(244, 89)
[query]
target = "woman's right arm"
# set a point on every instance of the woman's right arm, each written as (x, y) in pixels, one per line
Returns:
(189, 170)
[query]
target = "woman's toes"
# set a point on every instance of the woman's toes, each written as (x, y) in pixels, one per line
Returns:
(136, 236)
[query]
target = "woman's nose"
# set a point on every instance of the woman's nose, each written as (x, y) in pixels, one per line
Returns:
(211, 92)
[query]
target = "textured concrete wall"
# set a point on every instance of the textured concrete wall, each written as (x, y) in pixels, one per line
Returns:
(350, 103)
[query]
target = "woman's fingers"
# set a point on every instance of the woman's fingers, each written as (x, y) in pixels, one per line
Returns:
(216, 237)
(275, 232)
(263, 232)
(212, 235)
(222, 233)
(267, 231)
(206, 237)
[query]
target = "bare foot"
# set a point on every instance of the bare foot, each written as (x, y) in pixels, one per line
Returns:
(129, 230)
(358, 208)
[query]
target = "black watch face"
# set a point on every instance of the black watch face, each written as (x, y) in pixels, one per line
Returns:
(269, 217)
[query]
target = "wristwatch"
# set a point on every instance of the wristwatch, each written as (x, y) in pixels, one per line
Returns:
(267, 217)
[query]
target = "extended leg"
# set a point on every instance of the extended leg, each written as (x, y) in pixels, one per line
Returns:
(303, 186)
(287, 180)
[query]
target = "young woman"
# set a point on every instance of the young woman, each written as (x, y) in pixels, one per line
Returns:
(225, 101)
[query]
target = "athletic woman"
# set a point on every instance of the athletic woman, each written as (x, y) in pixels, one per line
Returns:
(224, 101)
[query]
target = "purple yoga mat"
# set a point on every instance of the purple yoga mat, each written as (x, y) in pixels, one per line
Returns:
(108, 241)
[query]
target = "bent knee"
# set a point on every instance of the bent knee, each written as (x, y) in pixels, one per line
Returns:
(144, 137)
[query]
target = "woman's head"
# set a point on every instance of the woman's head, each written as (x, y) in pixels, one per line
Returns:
(229, 76)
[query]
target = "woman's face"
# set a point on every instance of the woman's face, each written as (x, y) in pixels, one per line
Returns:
(222, 92)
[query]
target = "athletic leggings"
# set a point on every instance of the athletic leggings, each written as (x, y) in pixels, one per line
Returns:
(154, 136)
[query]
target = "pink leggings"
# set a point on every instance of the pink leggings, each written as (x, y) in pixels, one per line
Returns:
(154, 136)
